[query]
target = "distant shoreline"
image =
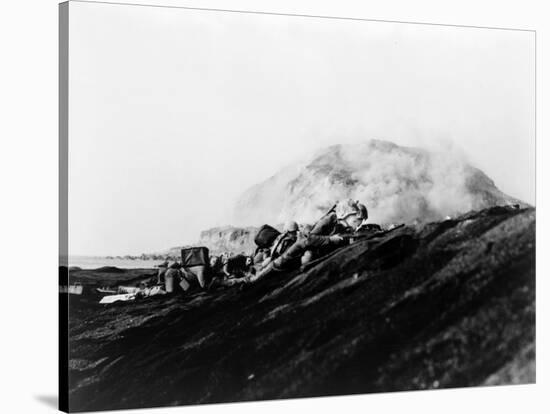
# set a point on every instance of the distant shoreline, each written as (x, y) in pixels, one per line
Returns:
(96, 262)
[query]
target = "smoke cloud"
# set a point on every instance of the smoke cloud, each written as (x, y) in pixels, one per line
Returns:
(397, 184)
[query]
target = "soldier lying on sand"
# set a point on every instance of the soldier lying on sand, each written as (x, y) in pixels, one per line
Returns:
(344, 219)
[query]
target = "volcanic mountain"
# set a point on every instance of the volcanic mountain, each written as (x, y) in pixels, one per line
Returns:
(398, 185)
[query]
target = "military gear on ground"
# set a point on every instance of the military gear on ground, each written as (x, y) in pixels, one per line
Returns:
(195, 256)
(196, 264)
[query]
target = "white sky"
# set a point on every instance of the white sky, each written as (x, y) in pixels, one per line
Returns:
(174, 113)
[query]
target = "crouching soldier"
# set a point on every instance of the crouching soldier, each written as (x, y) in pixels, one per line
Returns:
(344, 219)
(264, 256)
(306, 245)
(286, 239)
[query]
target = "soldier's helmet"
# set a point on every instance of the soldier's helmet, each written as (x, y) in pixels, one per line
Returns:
(290, 226)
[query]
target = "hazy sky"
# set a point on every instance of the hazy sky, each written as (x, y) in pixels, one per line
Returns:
(173, 113)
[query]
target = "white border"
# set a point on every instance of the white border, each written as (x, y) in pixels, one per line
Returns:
(28, 158)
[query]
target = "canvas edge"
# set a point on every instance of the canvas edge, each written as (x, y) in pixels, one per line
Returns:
(63, 312)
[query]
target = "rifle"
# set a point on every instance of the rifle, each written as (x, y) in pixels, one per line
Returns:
(355, 237)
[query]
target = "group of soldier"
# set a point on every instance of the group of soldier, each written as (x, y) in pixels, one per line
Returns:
(296, 246)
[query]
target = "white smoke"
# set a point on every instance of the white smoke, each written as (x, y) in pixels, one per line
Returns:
(397, 184)
(404, 186)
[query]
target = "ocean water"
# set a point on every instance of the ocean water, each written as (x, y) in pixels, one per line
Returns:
(91, 262)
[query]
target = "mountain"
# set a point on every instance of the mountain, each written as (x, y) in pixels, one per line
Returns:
(439, 305)
(398, 185)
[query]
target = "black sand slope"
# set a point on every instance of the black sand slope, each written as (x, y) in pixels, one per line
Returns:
(450, 304)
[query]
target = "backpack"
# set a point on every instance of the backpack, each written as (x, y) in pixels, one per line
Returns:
(266, 236)
(194, 256)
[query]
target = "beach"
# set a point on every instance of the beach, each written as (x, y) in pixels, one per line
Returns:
(448, 304)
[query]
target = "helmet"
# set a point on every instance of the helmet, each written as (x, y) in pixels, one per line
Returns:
(291, 226)
(347, 208)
